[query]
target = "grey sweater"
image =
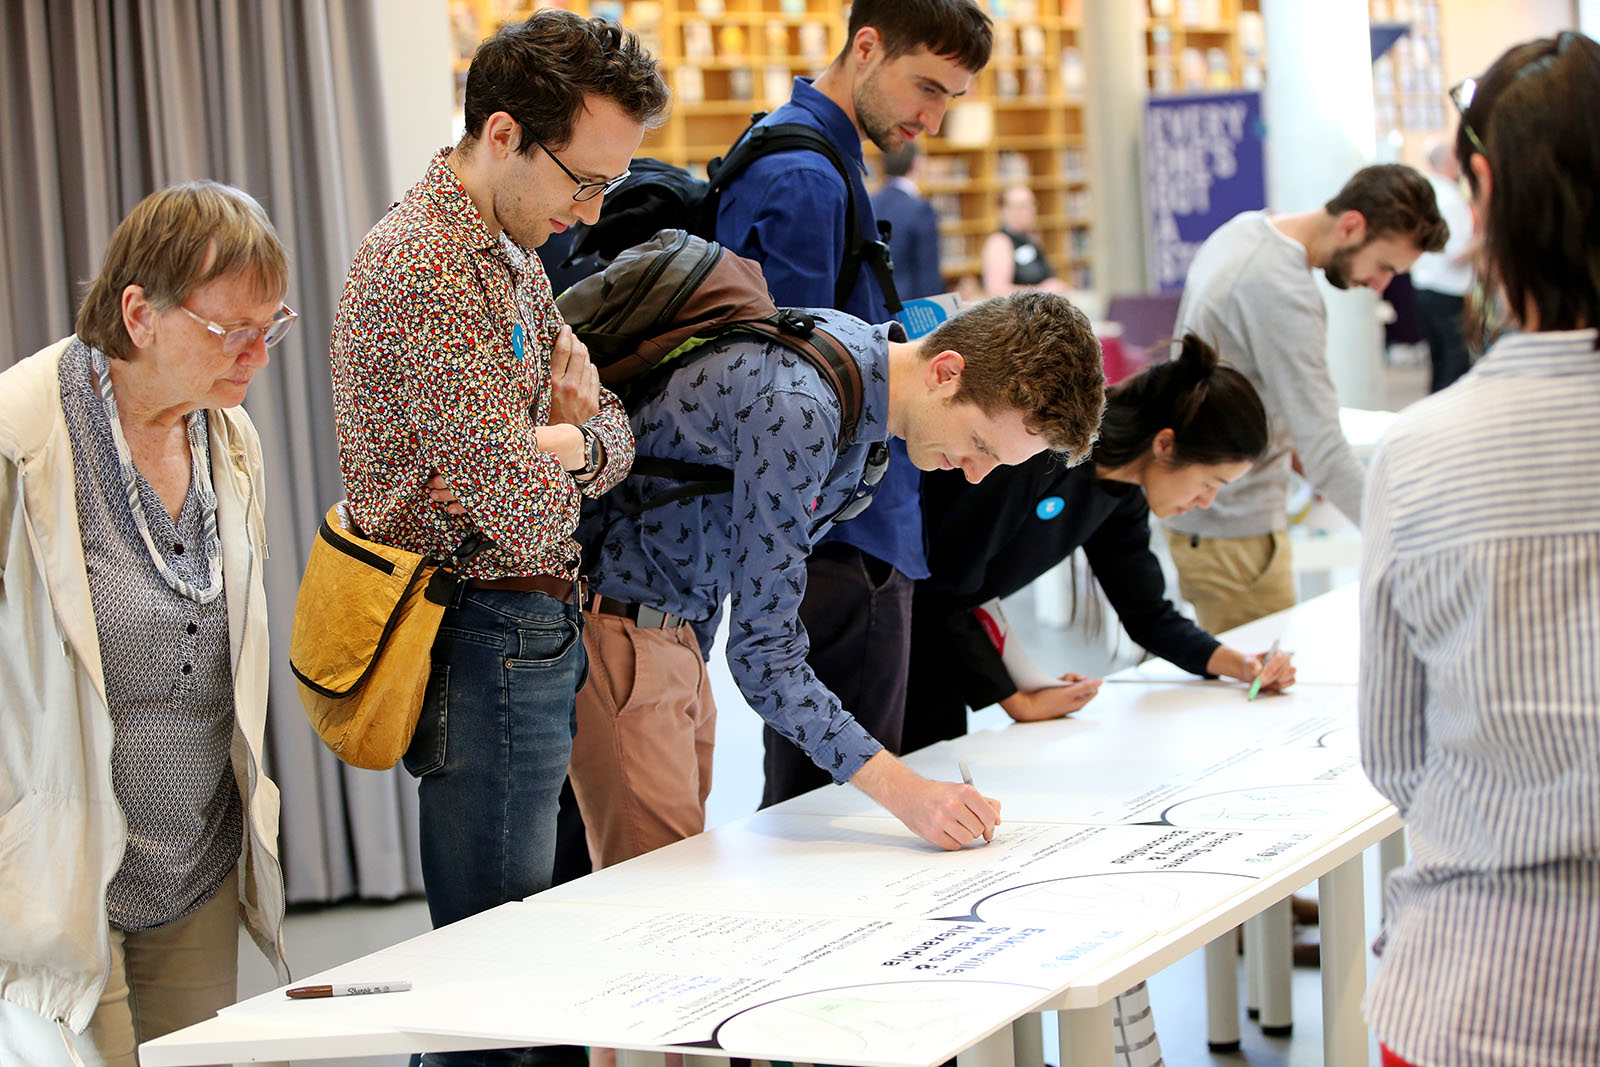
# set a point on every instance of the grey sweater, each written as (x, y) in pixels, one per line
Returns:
(1251, 294)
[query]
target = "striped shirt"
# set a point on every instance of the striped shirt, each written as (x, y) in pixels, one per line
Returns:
(1480, 709)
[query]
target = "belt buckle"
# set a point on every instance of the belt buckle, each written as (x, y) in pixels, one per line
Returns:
(580, 592)
(650, 618)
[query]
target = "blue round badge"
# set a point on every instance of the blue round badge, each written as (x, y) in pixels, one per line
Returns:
(1050, 507)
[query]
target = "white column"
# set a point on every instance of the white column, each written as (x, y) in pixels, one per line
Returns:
(1344, 971)
(1112, 40)
(1027, 1040)
(1086, 1038)
(992, 1051)
(1320, 130)
(1222, 992)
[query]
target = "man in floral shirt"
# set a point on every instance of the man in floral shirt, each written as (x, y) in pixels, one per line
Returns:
(451, 364)
(996, 384)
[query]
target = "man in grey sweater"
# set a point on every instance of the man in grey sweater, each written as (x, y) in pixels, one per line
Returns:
(1251, 293)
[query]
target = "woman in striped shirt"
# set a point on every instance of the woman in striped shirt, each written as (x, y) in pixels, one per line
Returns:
(1480, 609)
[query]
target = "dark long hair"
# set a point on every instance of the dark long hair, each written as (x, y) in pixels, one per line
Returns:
(1537, 115)
(1212, 410)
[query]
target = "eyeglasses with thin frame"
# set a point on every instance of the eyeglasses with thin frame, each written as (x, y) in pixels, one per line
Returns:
(238, 338)
(585, 190)
(1461, 94)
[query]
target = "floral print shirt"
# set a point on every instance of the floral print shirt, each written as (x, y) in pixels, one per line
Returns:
(441, 350)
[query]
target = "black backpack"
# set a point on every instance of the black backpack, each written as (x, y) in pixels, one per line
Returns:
(657, 196)
(660, 300)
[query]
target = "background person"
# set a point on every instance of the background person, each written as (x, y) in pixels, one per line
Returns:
(1442, 279)
(1480, 613)
(1250, 292)
(1170, 438)
(914, 225)
(140, 827)
(1013, 258)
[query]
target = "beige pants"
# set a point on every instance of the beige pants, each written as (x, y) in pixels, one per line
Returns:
(641, 763)
(161, 980)
(1233, 580)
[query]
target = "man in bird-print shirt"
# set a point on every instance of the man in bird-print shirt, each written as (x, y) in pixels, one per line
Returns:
(996, 384)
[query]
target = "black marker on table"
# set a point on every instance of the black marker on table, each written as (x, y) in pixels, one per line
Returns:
(348, 989)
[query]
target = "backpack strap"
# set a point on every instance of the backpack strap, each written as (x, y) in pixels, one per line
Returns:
(758, 141)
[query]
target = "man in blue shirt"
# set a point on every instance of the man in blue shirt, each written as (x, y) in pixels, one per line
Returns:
(996, 384)
(903, 62)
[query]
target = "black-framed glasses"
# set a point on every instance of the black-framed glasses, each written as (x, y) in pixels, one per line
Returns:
(1461, 94)
(585, 190)
(238, 338)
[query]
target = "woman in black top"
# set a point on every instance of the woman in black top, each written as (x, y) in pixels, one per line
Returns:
(1170, 438)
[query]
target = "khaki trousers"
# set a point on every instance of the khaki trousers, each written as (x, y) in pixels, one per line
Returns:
(641, 762)
(1233, 580)
(161, 980)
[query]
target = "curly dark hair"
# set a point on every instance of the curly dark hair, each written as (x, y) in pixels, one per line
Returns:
(539, 72)
(1034, 352)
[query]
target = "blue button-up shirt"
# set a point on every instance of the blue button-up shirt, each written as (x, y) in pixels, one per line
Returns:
(787, 212)
(753, 407)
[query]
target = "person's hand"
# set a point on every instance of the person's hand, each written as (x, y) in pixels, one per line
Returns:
(1052, 703)
(574, 381)
(950, 815)
(440, 493)
(1276, 674)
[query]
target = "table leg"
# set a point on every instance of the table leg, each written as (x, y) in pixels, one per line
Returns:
(632, 1058)
(992, 1051)
(1086, 1039)
(1222, 993)
(1252, 966)
(1027, 1040)
(1391, 855)
(1277, 970)
(1344, 972)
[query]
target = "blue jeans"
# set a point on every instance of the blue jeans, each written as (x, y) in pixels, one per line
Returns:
(490, 754)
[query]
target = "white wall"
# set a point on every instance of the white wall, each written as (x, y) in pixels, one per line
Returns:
(418, 84)
(1473, 33)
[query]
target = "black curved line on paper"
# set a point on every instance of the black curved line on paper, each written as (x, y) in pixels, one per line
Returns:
(713, 1042)
(973, 915)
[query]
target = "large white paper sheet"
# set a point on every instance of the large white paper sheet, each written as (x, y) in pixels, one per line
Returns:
(814, 988)
(1070, 879)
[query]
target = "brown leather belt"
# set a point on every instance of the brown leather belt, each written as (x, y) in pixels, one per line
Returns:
(642, 615)
(562, 589)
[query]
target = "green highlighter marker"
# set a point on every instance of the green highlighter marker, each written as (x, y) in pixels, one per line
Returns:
(1255, 686)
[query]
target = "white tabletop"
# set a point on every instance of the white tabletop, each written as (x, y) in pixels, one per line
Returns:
(822, 930)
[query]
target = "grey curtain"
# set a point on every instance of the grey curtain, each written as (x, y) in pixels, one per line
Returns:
(108, 100)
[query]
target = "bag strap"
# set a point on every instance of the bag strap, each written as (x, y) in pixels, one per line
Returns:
(757, 141)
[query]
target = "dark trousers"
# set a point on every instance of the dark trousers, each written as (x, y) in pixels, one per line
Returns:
(935, 709)
(1443, 318)
(857, 614)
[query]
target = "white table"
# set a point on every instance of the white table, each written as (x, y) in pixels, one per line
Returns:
(822, 931)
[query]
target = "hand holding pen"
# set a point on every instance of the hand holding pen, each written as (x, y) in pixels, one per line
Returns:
(1274, 671)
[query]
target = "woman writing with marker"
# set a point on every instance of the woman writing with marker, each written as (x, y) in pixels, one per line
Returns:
(1170, 438)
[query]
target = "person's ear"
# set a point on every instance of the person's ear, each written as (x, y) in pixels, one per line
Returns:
(1351, 227)
(864, 44)
(138, 316)
(1164, 444)
(503, 135)
(944, 370)
(1482, 183)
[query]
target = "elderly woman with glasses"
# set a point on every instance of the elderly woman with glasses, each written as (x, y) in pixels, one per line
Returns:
(1480, 612)
(136, 825)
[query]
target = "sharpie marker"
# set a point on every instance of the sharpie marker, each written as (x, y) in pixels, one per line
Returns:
(1255, 686)
(349, 989)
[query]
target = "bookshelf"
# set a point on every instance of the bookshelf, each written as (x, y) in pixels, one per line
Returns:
(1023, 119)
(1408, 87)
(1196, 46)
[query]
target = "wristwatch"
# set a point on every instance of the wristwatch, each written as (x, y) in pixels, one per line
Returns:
(594, 454)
